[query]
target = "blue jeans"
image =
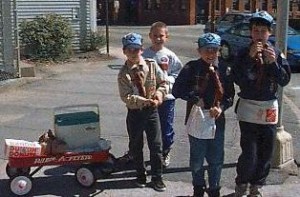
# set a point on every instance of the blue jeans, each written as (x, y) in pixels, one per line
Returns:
(166, 115)
(213, 151)
(257, 144)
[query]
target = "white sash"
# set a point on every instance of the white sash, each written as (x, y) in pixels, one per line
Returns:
(258, 112)
(200, 124)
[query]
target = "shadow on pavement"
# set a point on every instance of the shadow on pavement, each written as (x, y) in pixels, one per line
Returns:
(61, 181)
(66, 186)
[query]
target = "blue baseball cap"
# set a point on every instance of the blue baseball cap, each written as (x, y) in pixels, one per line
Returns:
(132, 40)
(262, 16)
(209, 40)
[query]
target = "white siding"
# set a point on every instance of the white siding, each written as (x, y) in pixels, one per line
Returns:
(76, 11)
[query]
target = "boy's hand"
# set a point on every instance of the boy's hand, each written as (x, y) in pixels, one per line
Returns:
(255, 48)
(154, 103)
(157, 99)
(215, 112)
(270, 56)
(147, 103)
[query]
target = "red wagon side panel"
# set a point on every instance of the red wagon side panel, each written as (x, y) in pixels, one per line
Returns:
(67, 158)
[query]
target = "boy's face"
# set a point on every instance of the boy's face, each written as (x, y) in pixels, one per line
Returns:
(133, 55)
(158, 37)
(209, 54)
(260, 33)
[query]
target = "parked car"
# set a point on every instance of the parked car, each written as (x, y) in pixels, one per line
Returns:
(228, 20)
(238, 36)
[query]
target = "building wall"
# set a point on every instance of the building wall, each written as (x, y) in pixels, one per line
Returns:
(76, 11)
(181, 12)
(252, 6)
(145, 12)
(176, 12)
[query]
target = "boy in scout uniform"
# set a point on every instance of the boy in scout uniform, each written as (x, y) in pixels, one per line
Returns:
(258, 70)
(142, 88)
(206, 83)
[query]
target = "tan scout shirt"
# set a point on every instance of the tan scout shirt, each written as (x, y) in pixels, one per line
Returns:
(129, 92)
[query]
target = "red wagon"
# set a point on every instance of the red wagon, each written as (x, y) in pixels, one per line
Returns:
(90, 161)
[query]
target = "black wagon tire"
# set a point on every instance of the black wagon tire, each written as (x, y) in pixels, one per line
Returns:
(20, 185)
(85, 176)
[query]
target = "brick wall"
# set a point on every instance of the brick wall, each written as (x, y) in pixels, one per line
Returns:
(176, 12)
(183, 12)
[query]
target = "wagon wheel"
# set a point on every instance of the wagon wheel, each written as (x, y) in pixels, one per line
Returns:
(85, 176)
(21, 185)
(12, 172)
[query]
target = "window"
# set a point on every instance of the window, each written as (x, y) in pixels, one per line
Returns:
(183, 4)
(148, 4)
(241, 30)
(244, 31)
(264, 5)
(247, 5)
(170, 5)
(152, 4)
(235, 4)
(157, 4)
(217, 4)
(274, 6)
(228, 18)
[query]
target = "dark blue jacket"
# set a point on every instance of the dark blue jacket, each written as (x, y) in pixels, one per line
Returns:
(245, 74)
(186, 87)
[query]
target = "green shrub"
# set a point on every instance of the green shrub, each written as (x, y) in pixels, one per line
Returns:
(46, 37)
(95, 41)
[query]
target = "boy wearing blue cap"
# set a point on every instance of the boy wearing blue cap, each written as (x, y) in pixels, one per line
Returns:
(142, 88)
(258, 71)
(207, 86)
(170, 63)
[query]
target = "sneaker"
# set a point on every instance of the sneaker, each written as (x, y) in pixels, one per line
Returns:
(141, 181)
(240, 190)
(254, 191)
(126, 158)
(214, 192)
(166, 160)
(199, 191)
(158, 184)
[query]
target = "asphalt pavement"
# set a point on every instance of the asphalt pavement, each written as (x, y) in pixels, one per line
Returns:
(26, 105)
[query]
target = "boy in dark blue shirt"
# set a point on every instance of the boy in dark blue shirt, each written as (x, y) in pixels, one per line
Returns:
(258, 71)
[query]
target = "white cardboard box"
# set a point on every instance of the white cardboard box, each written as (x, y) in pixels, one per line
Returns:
(21, 148)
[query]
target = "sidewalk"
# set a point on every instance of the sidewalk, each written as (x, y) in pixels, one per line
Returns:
(181, 189)
(280, 183)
